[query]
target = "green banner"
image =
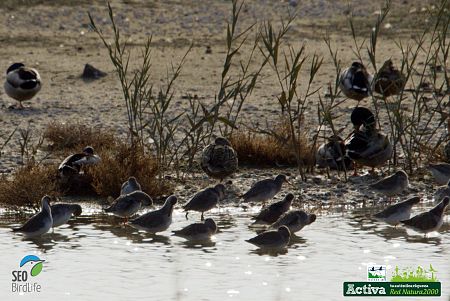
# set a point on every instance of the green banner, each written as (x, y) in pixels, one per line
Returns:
(386, 289)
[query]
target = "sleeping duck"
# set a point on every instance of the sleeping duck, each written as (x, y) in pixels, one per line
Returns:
(389, 80)
(355, 82)
(22, 83)
(332, 154)
(366, 145)
(73, 163)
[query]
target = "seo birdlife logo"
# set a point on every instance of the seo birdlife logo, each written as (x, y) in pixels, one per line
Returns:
(23, 279)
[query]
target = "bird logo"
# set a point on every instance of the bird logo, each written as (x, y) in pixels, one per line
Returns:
(34, 262)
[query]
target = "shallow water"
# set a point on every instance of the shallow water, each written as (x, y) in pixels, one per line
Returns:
(96, 256)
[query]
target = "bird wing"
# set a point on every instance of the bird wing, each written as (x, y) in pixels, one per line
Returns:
(357, 142)
(262, 214)
(287, 219)
(360, 81)
(259, 187)
(150, 219)
(422, 221)
(35, 222)
(292, 218)
(272, 212)
(123, 203)
(268, 237)
(375, 146)
(193, 229)
(388, 211)
(70, 160)
(26, 74)
(88, 160)
(198, 201)
(442, 168)
(383, 183)
(58, 209)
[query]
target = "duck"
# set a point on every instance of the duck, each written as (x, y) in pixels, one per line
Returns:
(332, 155)
(205, 200)
(429, 221)
(392, 185)
(440, 171)
(389, 80)
(61, 213)
(295, 220)
(397, 212)
(39, 223)
(127, 205)
(72, 164)
(22, 83)
(130, 185)
(219, 160)
(198, 231)
(442, 191)
(272, 239)
(366, 145)
(355, 81)
(158, 220)
(265, 190)
(272, 213)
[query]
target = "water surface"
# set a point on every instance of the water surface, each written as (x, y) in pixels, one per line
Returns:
(96, 256)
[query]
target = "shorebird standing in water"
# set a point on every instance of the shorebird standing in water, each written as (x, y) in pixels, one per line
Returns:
(130, 185)
(61, 213)
(273, 239)
(441, 172)
(295, 220)
(158, 220)
(22, 83)
(127, 205)
(397, 212)
(428, 221)
(392, 185)
(265, 190)
(271, 213)
(198, 231)
(205, 200)
(39, 223)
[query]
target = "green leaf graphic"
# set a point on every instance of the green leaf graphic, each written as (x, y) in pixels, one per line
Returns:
(36, 269)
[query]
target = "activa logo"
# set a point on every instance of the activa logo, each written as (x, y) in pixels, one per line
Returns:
(30, 267)
(365, 290)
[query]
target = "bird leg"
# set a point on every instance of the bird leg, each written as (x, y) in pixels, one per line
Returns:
(355, 170)
(201, 218)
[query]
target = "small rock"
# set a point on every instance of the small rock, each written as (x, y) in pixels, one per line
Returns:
(90, 73)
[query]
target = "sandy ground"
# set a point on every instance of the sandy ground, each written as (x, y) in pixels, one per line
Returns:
(56, 39)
